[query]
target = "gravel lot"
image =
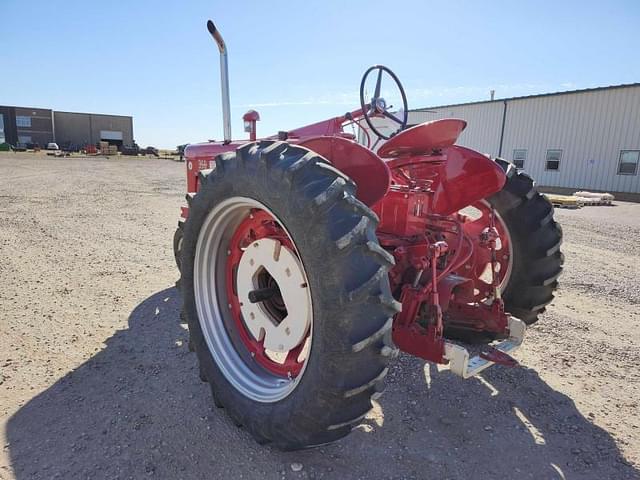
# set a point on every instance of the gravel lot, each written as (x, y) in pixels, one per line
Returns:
(96, 380)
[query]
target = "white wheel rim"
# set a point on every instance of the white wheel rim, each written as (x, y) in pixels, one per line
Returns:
(212, 305)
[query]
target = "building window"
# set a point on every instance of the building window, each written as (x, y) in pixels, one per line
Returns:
(2, 137)
(628, 162)
(23, 121)
(24, 139)
(553, 159)
(519, 156)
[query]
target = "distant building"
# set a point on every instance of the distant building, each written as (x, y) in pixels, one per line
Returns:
(567, 141)
(20, 125)
(24, 125)
(88, 128)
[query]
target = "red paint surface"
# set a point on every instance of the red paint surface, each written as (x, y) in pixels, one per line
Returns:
(417, 195)
(259, 224)
(424, 138)
(371, 174)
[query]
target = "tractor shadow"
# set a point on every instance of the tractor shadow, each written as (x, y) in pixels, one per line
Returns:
(137, 409)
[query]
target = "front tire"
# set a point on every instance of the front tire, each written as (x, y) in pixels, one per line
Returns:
(316, 216)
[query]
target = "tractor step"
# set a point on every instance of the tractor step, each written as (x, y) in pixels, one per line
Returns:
(465, 366)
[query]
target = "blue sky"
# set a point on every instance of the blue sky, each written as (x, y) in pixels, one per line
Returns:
(299, 62)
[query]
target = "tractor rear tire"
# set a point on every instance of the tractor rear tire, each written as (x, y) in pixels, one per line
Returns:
(334, 237)
(177, 245)
(536, 239)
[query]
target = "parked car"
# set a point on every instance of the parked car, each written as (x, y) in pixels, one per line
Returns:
(52, 146)
(150, 151)
(131, 150)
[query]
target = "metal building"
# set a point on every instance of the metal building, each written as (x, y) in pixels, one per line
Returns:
(90, 128)
(25, 126)
(567, 141)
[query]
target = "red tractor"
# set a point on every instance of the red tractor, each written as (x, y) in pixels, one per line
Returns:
(307, 261)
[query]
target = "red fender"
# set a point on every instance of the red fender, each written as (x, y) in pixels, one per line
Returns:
(370, 172)
(459, 177)
(468, 176)
(424, 138)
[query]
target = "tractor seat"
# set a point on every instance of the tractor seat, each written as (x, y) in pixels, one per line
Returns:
(424, 138)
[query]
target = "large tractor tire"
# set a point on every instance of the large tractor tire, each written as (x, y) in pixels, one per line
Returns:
(177, 245)
(286, 294)
(535, 237)
(529, 258)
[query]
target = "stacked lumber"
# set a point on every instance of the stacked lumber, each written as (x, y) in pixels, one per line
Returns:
(565, 201)
(580, 199)
(106, 149)
(594, 198)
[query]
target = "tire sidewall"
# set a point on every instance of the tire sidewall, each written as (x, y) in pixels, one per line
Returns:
(309, 229)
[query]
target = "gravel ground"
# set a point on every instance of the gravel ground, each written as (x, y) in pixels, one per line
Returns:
(96, 380)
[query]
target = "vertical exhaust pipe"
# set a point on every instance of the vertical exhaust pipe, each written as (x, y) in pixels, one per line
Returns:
(224, 80)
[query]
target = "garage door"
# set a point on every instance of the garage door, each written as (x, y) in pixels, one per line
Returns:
(110, 135)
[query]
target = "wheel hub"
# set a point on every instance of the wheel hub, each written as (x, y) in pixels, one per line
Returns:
(270, 301)
(380, 105)
(283, 267)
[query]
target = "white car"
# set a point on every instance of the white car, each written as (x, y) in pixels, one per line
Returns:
(52, 146)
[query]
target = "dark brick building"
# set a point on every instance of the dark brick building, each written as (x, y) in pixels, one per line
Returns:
(24, 126)
(19, 125)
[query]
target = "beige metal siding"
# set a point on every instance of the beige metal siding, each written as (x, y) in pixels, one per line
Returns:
(590, 127)
(483, 124)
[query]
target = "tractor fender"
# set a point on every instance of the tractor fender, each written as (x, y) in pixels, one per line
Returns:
(424, 138)
(466, 177)
(370, 173)
(458, 176)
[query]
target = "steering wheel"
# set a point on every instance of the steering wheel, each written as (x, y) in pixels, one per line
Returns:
(378, 107)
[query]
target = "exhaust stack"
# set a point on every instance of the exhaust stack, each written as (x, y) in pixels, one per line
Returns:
(224, 80)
